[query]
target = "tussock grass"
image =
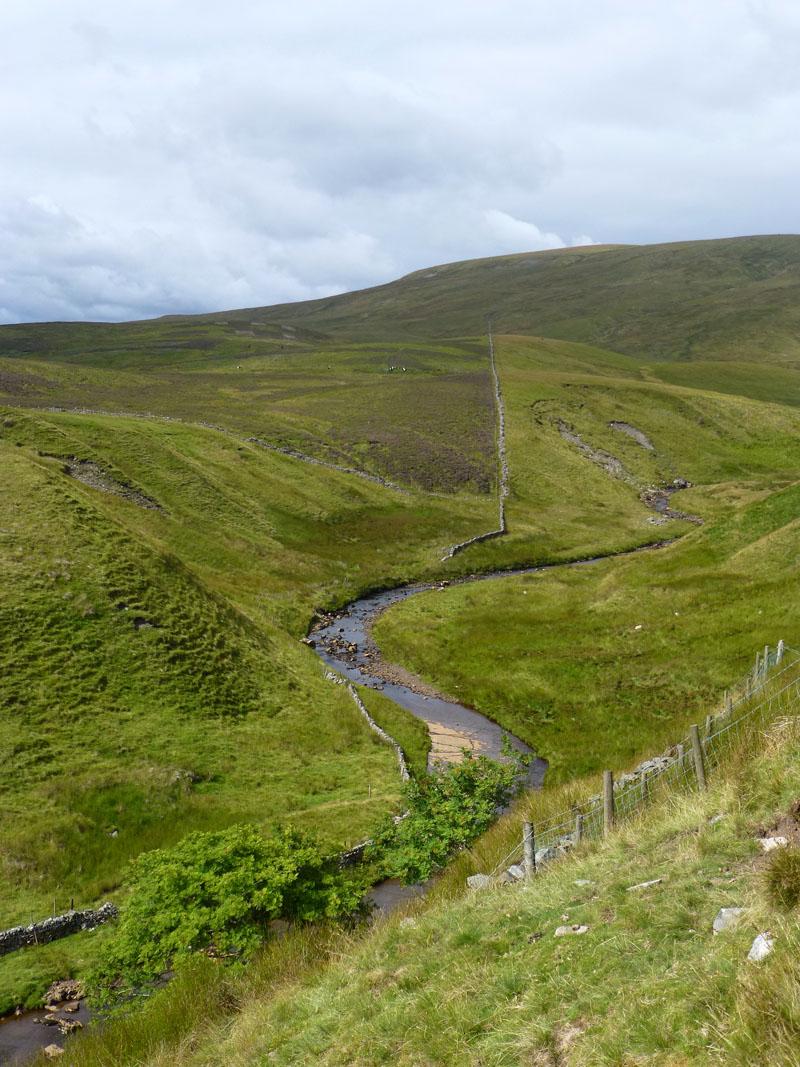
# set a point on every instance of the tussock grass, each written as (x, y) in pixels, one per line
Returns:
(480, 979)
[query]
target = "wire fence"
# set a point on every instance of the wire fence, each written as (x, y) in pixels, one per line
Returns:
(771, 688)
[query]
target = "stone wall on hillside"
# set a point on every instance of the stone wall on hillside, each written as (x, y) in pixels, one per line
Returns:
(52, 929)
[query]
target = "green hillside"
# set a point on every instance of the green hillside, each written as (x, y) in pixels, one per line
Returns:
(181, 497)
(730, 299)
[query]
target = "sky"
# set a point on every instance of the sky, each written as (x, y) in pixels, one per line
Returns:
(179, 156)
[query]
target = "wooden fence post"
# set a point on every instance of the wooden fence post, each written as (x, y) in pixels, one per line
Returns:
(749, 686)
(578, 835)
(608, 801)
(528, 850)
(709, 725)
(765, 663)
(681, 751)
(779, 653)
(697, 752)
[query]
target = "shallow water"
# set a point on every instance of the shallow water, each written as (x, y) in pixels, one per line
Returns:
(21, 1036)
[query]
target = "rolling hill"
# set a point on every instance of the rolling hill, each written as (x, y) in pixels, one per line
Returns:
(182, 496)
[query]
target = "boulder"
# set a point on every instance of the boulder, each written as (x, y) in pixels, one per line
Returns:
(573, 928)
(52, 1051)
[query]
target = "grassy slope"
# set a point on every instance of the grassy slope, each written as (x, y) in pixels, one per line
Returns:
(731, 299)
(428, 424)
(481, 980)
(253, 542)
(567, 670)
(250, 544)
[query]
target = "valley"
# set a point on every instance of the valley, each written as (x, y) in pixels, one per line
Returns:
(185, 499)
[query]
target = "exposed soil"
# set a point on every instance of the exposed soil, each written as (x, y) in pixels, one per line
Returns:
(84, 470)
(610, 464)
(638, 436)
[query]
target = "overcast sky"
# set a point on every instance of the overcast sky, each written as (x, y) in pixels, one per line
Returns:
(187, 155)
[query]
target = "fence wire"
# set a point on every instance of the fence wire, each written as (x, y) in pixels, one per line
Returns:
(676, 770)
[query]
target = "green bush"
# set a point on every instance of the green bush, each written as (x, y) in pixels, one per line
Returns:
(445, 811)
(220, 890)
(782, 878)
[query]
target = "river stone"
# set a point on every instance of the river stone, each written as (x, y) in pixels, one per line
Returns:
(544, 855)
(727, 918)
(517, 871)
(479, 881)
(52, 1051)
(761, 947)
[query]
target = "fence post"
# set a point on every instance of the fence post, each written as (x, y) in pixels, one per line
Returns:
(681, 752)
(749, 686)
(528, 850)
(728, 704)
(608, 801)
(779, 653)
(756, 670)
(709, 725)
(578, 835)
(697, 752)
(765, 664)
(643, 779)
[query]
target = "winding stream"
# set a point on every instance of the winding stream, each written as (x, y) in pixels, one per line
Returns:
(343, 641)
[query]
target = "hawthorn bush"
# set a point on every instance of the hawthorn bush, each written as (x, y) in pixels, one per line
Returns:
(446, 810)
(220, 889)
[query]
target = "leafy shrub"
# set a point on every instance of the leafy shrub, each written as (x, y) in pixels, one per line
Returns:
(220, 889)
(782, 878)
(446, 811)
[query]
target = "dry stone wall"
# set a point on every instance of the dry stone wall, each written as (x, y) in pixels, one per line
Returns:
(503, 467)
(47, 930)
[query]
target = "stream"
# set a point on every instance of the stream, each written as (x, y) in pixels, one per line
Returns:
(343, 641)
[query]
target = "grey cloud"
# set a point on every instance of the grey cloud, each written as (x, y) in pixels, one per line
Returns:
(179, 157)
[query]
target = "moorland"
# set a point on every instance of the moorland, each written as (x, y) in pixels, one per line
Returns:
(166, 543)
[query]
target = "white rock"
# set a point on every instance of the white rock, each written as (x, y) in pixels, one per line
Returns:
(715, 819)
(645, 885)
(581, 882)
(575, 928)
(761, 947)
(769, 844)
(518, 871)
(51, 1051)
(727, 918)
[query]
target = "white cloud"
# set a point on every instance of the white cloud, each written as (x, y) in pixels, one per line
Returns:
(515, 235)
(168, 157)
